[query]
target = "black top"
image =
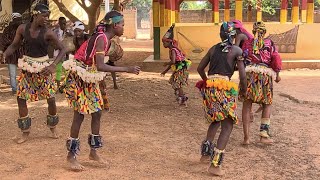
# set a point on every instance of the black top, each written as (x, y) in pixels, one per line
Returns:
(35, 47)
(219, 64)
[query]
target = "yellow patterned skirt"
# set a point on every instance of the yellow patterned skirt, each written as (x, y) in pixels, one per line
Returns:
(84, 97)
(219, 100)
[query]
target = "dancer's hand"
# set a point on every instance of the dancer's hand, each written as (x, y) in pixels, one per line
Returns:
(278, 79)
(133, 70)
(162, 74)
(48, 70)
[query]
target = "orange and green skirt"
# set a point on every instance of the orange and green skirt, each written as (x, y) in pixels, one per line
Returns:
(219, 100)
(35, 87)
(84, 97)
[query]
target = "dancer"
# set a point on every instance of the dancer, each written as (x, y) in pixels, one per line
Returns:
(179, 65)
(82, 86)
(219, 94)
(263, 68)
(35, 81)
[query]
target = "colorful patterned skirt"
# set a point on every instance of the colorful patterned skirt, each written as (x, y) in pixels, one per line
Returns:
(31, 84)
(259, 84)
(180, 75)
(219, 99)
(84, 97)
(35, 87)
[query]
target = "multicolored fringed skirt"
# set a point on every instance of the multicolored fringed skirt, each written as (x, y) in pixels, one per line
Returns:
(82, 87)
(260, 84)
(82, 96)
(180, 75)
(219, 99)
(32, 85)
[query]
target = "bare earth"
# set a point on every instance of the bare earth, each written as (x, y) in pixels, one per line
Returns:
(148, 136)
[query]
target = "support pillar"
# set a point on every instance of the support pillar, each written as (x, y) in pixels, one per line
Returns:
(156, 28)
(295, 11)
(239, 7)
(259, 10)
(310, 11)
(226, 10)
(304, 11)
(284, 12)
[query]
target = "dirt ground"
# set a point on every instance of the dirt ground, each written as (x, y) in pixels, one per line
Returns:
(148, 136)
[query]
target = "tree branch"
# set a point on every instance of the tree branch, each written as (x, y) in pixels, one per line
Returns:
(66, 12)
(82, 5)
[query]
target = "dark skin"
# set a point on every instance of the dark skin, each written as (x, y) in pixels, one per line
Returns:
(172, 61)
(39, 22)
(226, 124)
(247, 108)
(117, 29)
(241, 37)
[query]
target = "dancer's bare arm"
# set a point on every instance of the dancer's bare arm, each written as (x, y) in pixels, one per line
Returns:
(204, 63)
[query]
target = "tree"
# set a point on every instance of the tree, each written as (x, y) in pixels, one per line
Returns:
(91, 7)
(268, 6)
(143, 8)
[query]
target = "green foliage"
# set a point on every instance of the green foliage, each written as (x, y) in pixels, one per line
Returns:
(268, 6)
(317, 4)
(143, 7)
(194, 5)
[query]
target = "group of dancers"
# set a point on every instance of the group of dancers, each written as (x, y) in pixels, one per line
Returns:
(254, 57)
(258, 63)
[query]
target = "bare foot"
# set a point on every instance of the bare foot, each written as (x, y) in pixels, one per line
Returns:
(205, 159)
(24, 137)
(115, 87)
(74, 164)
(95, 157)
(54, 133)
(217, 171)
(246, 142)
(265, 140)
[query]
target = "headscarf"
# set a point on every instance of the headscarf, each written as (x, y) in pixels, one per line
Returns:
(229, 30)
(78, 25)
(238, 24)
(101, 27)
(40, 8)
(259, 31)
(169, 36)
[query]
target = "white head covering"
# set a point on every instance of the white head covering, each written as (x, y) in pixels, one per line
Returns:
(78, 25)
(15, 15)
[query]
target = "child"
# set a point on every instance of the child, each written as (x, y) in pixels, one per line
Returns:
(219, 94)
(179, 64)
(82, 86)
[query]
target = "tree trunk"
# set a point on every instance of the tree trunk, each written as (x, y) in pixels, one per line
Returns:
(65, 11)
(116, 5)
(139, 19)
(92, 21)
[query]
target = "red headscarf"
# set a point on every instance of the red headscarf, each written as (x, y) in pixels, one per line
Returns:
(238, 24)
